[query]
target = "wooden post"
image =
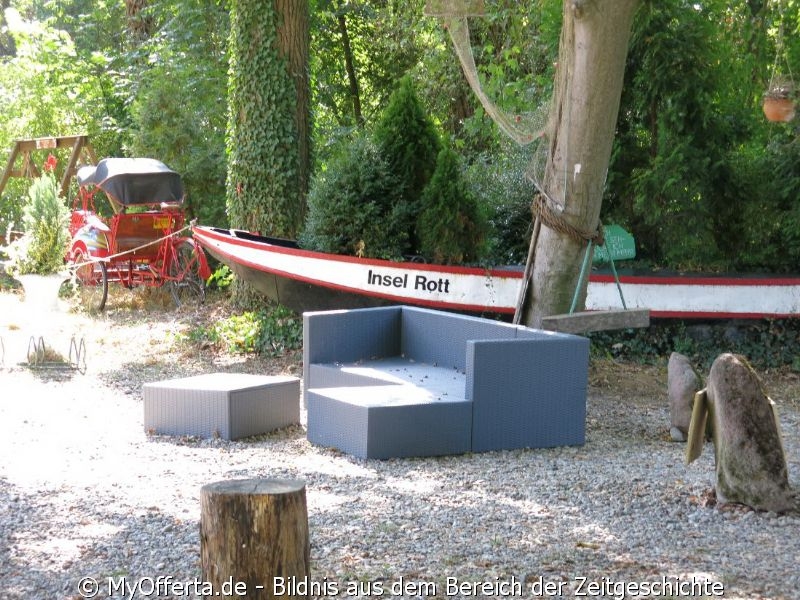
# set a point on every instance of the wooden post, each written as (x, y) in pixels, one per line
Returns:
(251, 532)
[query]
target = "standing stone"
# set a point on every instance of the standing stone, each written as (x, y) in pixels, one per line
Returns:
(750, 461)
(683, 383)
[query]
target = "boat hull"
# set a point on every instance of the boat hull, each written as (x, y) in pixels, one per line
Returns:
(305, 281)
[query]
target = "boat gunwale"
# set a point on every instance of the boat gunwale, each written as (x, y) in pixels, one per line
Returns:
(324, 257)
(213, 232)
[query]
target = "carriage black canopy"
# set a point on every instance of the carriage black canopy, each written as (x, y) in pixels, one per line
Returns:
(134, 181)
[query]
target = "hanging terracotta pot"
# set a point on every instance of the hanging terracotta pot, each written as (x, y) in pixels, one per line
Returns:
(778, 110)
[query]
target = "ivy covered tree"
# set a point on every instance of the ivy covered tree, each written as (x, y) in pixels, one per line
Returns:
(408, 139)
(268, 138)
(450, 228)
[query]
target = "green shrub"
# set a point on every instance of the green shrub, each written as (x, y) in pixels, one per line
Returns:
(505, 194)
(221, 278)
(354, 206)
(43, 245)
(409, 142)
(767, 343)
(270, 332)
(450, 228)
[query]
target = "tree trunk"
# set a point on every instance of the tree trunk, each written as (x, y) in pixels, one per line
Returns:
(140, 24)
(7, 44)
(592, 55)
(254, 535)
(294, 43)
(349, 63)
(268, 141)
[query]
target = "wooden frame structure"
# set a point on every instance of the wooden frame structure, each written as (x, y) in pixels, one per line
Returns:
(24, 148)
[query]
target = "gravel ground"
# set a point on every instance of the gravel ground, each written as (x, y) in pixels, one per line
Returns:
(87, 494)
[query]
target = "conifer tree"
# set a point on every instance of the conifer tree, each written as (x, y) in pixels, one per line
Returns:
(408, 140)
(450, 228)
(354, 207)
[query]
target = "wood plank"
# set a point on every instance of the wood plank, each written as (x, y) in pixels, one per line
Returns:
(72, 163)
(600, 320)
(9, 170)
(45, 143)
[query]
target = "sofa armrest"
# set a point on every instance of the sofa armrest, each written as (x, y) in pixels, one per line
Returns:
(527, 392)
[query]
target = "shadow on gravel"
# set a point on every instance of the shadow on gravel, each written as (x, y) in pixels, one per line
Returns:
(53, 545)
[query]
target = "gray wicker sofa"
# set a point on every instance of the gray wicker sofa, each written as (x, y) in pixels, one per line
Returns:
(402, 381)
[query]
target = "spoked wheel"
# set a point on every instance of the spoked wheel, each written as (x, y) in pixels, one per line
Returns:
(188, 284)
(91, 281)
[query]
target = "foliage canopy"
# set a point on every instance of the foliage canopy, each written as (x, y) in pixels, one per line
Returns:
(698, 175)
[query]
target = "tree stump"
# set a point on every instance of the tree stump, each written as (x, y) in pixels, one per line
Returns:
(251, 532)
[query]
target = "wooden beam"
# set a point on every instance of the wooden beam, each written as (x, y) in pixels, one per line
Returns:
(72, 163)
(48, 143)
(599, 320)
(8, 171)
(79, 144)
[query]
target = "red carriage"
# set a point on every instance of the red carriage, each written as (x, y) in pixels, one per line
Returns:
(145, 241)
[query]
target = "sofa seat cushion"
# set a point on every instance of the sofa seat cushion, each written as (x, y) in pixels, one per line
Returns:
(386, 421)
(390, 371)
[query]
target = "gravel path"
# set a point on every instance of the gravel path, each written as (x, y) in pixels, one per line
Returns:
(85, 493)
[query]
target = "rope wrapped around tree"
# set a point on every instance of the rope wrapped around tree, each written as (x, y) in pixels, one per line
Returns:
(541, 211)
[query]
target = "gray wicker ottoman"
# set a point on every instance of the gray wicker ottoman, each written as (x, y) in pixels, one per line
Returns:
(227, 405)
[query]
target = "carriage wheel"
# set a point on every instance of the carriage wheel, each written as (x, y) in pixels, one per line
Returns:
(91, 281)
(185, 268)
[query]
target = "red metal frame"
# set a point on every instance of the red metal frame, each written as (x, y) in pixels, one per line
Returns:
(138, 248)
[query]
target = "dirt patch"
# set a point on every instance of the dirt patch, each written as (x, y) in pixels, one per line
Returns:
(141, 337)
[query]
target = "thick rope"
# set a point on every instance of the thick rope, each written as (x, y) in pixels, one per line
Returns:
(543, 214)
(553, 220)
(132, 250)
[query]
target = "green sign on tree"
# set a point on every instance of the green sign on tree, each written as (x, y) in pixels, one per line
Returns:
(620, 245)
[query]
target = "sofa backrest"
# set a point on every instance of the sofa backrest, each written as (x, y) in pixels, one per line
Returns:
(440, 338)
(351, 335)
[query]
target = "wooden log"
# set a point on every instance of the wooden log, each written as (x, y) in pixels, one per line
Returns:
(9, 169)
(597, 320)
(251, 532)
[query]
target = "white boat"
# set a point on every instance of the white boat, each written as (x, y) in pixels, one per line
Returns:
(305, 280)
